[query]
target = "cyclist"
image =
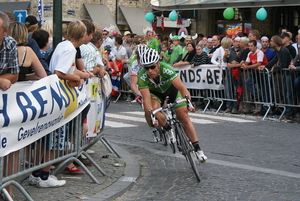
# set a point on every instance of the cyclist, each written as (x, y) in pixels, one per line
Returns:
(157, 81)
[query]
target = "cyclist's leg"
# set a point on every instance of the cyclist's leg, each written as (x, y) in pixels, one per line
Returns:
(184, 118)
(156, 102)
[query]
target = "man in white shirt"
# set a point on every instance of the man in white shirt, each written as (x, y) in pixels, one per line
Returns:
(107, 40)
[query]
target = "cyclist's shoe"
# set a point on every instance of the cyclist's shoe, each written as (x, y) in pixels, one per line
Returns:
(156, 136)
(200, 156)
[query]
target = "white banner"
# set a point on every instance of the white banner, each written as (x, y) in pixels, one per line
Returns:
(95, 116)
(31, 110)
(201, 77)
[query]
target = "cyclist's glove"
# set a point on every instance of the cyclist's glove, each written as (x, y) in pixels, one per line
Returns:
(138, 99)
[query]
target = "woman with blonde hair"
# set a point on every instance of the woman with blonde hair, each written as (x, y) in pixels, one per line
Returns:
(48, 26)
(27, 57)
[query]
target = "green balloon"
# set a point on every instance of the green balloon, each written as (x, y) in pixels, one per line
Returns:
(173, 16)
(149, 17)
(228, 13)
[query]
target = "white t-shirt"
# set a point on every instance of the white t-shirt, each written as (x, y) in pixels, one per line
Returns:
(63, 58)
(108, 41)
(121, 51)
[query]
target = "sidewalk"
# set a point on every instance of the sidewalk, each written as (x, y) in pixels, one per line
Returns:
(121, 175)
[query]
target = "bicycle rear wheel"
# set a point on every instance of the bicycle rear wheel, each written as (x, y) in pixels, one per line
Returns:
(187, 149)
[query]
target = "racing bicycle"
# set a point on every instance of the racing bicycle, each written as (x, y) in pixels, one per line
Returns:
(184, 145)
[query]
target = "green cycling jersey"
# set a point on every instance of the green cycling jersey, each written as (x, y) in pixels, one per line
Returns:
(166, 76)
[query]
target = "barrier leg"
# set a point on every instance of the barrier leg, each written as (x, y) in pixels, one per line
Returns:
(206, 105)
(221, 104)
(18, 186)
(115, 101)
(267, 112)
(106, 143)
(94, 163)
(282, 112)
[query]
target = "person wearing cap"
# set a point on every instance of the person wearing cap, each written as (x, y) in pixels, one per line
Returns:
(176, 54)
(106, 39)
(150, 41)
(209, 46)
(286, 41)
(31, 23)
(270, 54)
(236, 44)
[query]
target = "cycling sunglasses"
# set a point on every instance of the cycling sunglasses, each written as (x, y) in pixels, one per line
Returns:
(150, 67)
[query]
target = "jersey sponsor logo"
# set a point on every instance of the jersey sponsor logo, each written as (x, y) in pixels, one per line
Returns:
(143, 77)
(167, 71)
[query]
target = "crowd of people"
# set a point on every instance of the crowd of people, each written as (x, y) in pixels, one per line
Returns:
(87, 50)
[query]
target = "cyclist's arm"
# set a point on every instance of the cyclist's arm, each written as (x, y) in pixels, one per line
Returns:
(180, 86)
(147, 104)
(133, 84)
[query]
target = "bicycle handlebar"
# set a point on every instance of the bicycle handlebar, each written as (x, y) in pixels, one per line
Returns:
(168, 106)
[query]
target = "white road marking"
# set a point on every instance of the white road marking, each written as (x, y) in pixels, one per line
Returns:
(221, 118)
(117, 124)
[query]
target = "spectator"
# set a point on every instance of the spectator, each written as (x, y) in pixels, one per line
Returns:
(218, 55)
(106, 39)
(281, 61)
(9, 69)
(216, 44)
(255, 35)
(286, 41)
(90, 55)
(27, 58)
(128, 47)
(164, 55)
(270, 54)
(48, 26)
(187, 40)
(188, 57)
(200, 57)
(63, 62)
(176, 53)
(42, 38)
(32, 24)
(209, 46)
(150, 41)
(244, 108)
(119, 51)
(255, 59)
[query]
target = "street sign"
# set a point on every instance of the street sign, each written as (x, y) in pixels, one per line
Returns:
(71, 12)
(21, 15)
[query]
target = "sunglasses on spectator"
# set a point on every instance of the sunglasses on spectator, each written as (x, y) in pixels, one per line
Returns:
(150, 67)
(105, 34)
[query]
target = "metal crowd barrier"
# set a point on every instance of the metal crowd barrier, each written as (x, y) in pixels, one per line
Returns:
(60, 147)
(266, 90)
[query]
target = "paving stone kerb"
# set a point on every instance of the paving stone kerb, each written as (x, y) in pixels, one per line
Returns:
(121, 175)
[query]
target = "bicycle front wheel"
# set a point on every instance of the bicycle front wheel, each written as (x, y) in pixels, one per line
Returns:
(187, 149)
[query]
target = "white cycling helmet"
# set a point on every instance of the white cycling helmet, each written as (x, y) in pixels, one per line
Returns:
(149, 57)
(140, 49)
